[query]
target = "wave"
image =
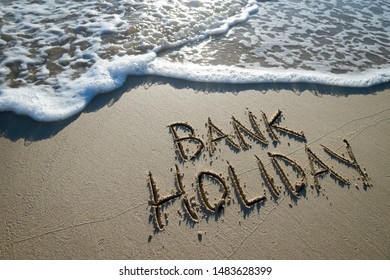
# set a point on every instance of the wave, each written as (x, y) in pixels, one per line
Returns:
(67, 96)
(43, 103)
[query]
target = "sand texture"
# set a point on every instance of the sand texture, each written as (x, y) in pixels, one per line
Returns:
(169, 171)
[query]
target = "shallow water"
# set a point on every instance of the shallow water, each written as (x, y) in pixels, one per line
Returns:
(55, 56)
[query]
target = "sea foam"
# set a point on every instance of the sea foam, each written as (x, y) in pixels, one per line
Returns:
(59, 74)
(43, 103)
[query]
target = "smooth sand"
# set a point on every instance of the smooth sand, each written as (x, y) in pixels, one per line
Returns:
(79, 189)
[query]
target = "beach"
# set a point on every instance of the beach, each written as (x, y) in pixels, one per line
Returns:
(82, 188)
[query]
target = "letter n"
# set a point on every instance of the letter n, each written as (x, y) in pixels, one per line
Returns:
(239, 128)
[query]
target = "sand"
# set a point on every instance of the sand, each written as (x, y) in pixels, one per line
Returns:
(81, 188)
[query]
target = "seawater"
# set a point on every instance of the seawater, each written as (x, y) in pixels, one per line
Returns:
(56, 55)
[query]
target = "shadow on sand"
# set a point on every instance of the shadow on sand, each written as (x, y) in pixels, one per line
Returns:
(16, 127)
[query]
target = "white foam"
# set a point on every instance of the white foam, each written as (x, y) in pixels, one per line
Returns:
(96, 56)
(42, 103)
(238, 75)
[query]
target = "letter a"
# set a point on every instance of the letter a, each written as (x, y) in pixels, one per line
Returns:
(221, 135)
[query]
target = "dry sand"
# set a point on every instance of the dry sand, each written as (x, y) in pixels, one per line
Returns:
(80, 189)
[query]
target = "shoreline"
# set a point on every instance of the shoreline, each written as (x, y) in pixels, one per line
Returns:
(79, 189)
